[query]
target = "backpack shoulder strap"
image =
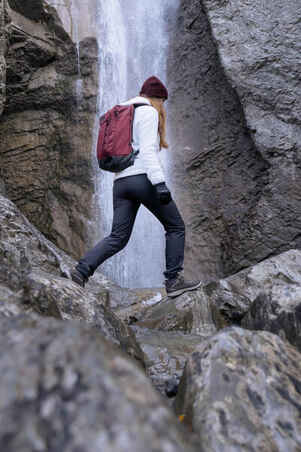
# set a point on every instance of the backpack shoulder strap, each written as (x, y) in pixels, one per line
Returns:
(141, 105)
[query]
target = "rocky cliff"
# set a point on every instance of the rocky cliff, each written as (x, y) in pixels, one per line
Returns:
(234, 76)
(46, 127)
(112, 370)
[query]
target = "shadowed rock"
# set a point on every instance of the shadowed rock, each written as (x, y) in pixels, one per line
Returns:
(65, 388)
(164, 356)
(241, 391)
(215, 170)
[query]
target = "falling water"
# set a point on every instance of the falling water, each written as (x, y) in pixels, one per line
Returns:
(133, 41)
(75, 14)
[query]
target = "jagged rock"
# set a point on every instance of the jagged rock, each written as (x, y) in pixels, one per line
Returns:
(164, 356)
(188, 313)
(265, 296)
(279, 313)
(64, 387)
(24, 249)
(46, 130)
(277, 300)
(167, 333)
(40, 11)
(241, 390)
(259, 48)
(31, 270)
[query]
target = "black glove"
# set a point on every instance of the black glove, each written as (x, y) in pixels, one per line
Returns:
(162, 192)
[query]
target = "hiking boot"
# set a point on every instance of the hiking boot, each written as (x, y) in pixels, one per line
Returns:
(78, 277)
(177, 286)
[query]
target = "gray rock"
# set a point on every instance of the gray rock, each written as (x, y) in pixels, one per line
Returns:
(164, 356)
(46, 130)
(7, 306)
(65, 388)
(215, 171)
(24, 249)
(259, 48)
(265, 296)
(278, 312)
(234, 109)
(133, 308)
(188, 313)
(31, 270)
(241, 391)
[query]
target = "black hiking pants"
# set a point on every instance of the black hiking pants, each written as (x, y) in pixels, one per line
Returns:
(128, 194)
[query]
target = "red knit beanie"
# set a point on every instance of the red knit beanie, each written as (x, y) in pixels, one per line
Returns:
(153, 87)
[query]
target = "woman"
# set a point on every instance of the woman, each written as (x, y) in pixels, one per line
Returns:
(143, 183)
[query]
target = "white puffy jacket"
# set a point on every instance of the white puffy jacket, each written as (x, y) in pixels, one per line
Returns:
(145, 139)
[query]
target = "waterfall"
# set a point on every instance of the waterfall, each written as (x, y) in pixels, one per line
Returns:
(133, 41)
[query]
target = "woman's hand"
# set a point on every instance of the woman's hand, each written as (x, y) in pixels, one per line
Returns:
(162, 192)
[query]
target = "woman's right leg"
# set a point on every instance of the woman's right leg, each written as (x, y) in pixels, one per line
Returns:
(125, 211)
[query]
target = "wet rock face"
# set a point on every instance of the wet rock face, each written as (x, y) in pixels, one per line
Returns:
(215, 170)
(64, 387)
(259, 48)
(46, 129)
(241, 391)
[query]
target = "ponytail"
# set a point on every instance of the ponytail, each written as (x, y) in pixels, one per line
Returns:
(162, 120)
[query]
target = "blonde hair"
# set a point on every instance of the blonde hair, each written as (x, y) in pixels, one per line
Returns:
(155, 102)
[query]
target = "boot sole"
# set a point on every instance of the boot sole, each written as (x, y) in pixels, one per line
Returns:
(178, 292)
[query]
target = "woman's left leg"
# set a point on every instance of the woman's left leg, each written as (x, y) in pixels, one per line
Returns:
(125, 211)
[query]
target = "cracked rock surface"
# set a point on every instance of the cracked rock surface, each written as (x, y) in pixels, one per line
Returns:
(241, 392)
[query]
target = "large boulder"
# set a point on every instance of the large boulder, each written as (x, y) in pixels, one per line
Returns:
(46, 129)
(266, 296)
(259, 48)
(235, 110)
(241, 390)
(215, 170)
(65, 388)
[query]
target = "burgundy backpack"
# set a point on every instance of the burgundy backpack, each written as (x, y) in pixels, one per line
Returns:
(114, 147)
